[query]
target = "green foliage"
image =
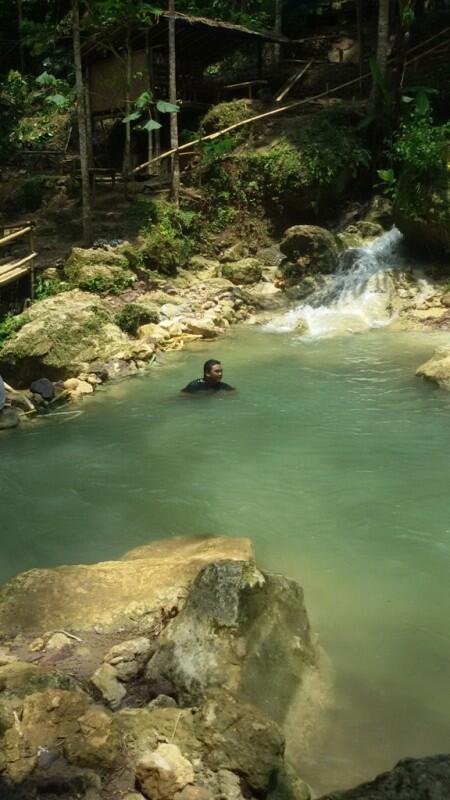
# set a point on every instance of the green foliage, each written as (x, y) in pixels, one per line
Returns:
(48, 287)
(420, 145)
(225, 114)
(170, 235)
(132, 316)
(10, 325)
(316, 156)
(29, 194)
(113, 285)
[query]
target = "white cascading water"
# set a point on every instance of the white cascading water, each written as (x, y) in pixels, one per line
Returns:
(354, 298)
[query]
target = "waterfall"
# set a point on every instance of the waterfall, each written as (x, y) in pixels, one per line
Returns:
(356, 297)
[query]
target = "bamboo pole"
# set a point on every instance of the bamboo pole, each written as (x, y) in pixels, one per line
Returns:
(16, 235)
(291, 82)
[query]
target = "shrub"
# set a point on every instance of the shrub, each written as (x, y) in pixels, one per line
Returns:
(29, 194)
(10, 325)
(169, 238)
(113, 285)
(132, 316)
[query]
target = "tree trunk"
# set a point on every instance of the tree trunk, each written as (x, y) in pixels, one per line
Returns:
(81, 112)
(127, 165)
(20, 23)
(359, 28)
(382, 54)
(173, 99)
(278, 28)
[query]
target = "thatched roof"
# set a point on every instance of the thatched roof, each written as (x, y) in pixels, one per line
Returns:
(199, 34)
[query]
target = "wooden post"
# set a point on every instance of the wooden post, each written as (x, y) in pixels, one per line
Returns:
(278, 28)
(127, 166)
(81, 111)
(173, 99)
(89, 130)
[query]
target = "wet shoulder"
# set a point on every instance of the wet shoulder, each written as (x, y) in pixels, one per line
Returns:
(193, 387)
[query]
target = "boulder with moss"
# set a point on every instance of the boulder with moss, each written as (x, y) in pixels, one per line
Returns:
(308, 249)
(102, 269)
(62, 336)
(244, 271)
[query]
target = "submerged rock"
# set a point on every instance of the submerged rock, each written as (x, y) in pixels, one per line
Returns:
(411, 779)
(437, 368)
(9, 418)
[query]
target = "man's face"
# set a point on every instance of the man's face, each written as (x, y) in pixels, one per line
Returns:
(215, 373)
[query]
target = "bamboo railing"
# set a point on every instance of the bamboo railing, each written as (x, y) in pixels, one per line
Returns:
(13, 270)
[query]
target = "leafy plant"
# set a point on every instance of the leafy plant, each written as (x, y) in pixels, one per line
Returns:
(11, 325)
(115, 285)
(132, 316)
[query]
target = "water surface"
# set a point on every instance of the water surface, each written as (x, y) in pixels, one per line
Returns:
(333, 457)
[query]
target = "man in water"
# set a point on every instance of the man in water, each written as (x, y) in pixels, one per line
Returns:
(211, 381)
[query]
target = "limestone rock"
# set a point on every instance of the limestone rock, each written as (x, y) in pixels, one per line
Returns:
(65, 334)
(58, 641)
(245, 271)
(163, 772)
(308, 248)
(116, 595)
(208, 265)
(128, 658)
(105, 678)
(9, 418)
(104, 264)
(235, 253)
(240, 739)
(153, 332)
(162, 701)
(78, 386)
(95, 743)
(380, 212)
(203, 327)
(239, 629)
(270, 256)
(437, 368)
(411, 779)
(445, 299)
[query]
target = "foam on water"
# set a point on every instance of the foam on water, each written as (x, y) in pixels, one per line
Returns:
(355, 298)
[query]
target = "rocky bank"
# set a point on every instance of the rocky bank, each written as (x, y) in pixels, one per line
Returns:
(147, 677)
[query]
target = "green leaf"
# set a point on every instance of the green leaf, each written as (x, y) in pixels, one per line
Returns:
(167, 108)
(45, 79)
(58, 100)
(144, 100)
(406, 99)
(132, 117)
(422, 103)
(151, 125)
(386, 175)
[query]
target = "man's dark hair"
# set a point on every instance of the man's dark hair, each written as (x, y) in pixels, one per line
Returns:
(208, 365)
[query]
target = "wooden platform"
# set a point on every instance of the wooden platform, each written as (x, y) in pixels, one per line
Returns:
(16, 269)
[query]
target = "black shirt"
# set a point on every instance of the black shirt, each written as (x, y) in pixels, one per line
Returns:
(200, 385)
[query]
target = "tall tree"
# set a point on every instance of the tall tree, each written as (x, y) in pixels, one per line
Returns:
(380, 73)
(173, 101)
(82, 127)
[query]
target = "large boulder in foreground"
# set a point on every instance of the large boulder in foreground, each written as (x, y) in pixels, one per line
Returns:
(437, 368)
(64, 335)
(411, 779)
(113, 595)
(240, 629)
(308, 249)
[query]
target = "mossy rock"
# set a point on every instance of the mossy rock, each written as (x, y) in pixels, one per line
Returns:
(245, 271)
(308, 249)
(225, 114)
(64, 334)
(99, 270)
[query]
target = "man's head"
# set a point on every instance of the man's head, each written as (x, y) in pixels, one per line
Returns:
(212, 371)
